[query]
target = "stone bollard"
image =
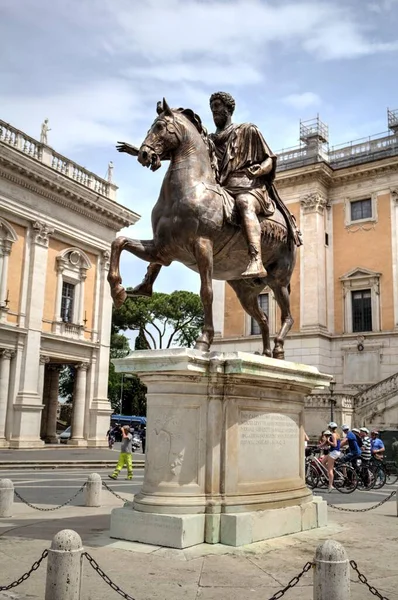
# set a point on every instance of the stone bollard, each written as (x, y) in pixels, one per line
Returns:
(332, 572)
(64, 566)
(6, 497)
(93, 489)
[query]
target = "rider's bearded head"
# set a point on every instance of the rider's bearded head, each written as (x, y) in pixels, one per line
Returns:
(223, 109)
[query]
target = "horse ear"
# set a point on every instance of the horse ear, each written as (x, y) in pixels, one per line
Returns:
(166, 108)
(159, 108)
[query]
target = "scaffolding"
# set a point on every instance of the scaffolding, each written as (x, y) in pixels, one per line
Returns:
(392, 117)
(314, 131)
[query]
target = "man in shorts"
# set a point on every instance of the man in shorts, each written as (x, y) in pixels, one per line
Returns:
(351, 441)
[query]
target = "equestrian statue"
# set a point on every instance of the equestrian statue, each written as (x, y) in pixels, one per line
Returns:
(218, 213)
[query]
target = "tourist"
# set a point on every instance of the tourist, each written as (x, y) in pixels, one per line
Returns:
(351, 441)
(366, 446)
(126, 455)
(377, 446)
(333, 442)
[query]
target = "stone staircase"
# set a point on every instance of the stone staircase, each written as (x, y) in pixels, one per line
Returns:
(378, 404)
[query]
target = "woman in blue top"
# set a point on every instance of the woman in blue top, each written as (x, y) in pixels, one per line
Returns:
(334, 452)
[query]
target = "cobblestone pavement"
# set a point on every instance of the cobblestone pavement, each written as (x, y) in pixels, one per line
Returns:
(203, 572)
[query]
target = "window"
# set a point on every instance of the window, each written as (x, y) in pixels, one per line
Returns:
(67, 301)
(263, 301)
(361, 209)
(361, 302)
(326, 239)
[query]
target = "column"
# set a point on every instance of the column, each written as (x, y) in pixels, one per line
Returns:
(313, 263)
(58, 297)
(6, 251)
(5, 361)
(79, 403)
(83, 277)
(51, 428)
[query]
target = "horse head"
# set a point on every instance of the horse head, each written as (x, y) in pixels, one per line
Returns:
(166, 134)
(161, 139)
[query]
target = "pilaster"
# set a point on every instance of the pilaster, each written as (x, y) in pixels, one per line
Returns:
(313, 263)
(5, 363)
(28, 404)
(100, 409)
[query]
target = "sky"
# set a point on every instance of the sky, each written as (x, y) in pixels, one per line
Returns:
(96, 69)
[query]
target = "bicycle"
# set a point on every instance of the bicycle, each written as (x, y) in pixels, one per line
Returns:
(366, 475)
(345, 477)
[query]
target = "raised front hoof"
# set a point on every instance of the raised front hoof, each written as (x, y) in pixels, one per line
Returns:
(279, 354)
(140, 290)
(202, 346)
(119, 296)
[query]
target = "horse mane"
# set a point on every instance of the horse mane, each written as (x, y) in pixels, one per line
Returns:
(211, 149)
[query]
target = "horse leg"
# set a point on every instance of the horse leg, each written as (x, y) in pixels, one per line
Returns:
(144, 249)
(204, 260)
(282, 296)
(248, 297)
(145, 288)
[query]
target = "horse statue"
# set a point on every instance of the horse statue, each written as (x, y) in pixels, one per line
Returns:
(190, 225)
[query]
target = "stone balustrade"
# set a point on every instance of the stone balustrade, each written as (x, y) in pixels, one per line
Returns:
(23, 143)
(379, 391)
(383, 144)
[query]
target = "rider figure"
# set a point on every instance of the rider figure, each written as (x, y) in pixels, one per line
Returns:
(246, 170)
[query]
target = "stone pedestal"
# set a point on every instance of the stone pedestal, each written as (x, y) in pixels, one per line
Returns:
(225, 449)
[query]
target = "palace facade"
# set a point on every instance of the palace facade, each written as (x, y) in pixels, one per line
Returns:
(344, 290)
(57, 223)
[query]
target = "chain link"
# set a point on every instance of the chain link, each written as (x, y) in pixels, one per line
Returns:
(360, 510)
(363, 580)
(49, 509)
(97, 569)
(25, 576)
(107, 487)
(293, 582)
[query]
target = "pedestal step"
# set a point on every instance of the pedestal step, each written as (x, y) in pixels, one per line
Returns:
(232, 529)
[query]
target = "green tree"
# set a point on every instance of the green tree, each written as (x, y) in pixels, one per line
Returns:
(164, 320)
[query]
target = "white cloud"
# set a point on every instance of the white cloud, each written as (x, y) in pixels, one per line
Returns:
(81, 115)
(208, 72)
(301, 101)
(237, 30)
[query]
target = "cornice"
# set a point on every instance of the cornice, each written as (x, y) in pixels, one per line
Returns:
(331, 176)
(319, 172)
(41, 180)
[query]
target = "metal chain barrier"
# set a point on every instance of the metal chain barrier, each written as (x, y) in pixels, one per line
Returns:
(26, 575)
(55, 507)
(293, 582)
(360, 510)
(97, 569)
(363, 580)
(107, 487)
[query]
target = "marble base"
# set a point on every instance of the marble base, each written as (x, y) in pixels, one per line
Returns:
(80, 443)
(225, 449)
(171, 531)
(240, 529)
(231, 529)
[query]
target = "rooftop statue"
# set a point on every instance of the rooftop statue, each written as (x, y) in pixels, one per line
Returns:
(218, 213)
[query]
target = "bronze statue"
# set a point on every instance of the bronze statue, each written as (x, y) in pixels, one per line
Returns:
(211, 228)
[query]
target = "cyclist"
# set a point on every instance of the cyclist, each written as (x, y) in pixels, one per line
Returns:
(377, 446)
(365, 449)
(354, 451)
(333, 441)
